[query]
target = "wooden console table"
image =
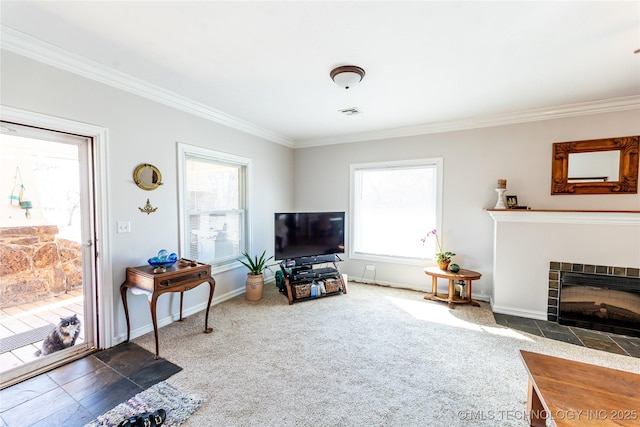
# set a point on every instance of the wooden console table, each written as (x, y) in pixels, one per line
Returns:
(467, 275)
(179, 278)
(567, 393)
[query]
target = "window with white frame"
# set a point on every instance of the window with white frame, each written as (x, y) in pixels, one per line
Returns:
(393, 206)
(213, 207)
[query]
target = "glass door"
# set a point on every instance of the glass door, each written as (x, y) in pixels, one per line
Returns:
(47, 251)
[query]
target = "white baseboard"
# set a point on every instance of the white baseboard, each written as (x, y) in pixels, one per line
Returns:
(518, 312)
(483, 298)
(137, 332)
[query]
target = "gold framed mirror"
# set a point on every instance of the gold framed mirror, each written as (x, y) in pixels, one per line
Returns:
(597, 166)
(147, 177)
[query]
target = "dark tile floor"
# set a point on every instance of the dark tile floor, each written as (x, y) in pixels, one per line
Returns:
(76, 393)
(612, 343)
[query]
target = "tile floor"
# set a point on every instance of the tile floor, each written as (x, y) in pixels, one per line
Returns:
(612, 343)
(76, 393)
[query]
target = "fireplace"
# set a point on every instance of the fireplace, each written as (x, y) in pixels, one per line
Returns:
(595, 297)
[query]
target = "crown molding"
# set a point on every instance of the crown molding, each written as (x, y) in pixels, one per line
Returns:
(31, 47)
(47, 53)
(548, 113)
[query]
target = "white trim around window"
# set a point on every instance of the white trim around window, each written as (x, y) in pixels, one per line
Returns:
(243, 231)
(392, 233)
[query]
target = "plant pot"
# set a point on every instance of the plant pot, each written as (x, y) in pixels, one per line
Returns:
(254, 287)
(444, 265)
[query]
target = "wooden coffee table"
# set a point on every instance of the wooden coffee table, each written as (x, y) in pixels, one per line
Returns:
(467, 275)
(567, 393)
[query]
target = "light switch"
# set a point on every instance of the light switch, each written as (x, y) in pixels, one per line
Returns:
(124, 227)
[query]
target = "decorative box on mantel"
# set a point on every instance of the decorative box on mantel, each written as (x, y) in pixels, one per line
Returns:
(526, 241)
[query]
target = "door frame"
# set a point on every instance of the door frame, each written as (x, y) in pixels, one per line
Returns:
(103, 302)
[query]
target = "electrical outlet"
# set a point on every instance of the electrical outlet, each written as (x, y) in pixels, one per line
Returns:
(370, 267)
(124, 227)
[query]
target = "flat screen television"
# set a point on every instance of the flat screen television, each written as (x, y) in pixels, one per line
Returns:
(304, 234)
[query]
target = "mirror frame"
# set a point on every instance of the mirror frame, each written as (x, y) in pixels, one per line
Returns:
(628, 184)
(137, 175)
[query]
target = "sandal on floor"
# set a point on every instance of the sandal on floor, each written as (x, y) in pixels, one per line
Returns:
(148, 419)
(158, 417)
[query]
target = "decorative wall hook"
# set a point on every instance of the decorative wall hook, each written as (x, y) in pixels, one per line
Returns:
(148, 208)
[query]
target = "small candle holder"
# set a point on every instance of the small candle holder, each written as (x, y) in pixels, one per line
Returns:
(500, 204)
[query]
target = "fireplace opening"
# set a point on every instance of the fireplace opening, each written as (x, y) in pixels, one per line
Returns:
(600, 302)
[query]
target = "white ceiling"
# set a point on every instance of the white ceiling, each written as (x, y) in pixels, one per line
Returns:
(266, 64)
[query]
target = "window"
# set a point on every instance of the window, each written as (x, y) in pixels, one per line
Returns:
(393, 206)
(213, 207)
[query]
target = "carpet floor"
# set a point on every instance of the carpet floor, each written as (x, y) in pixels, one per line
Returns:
(377, 356)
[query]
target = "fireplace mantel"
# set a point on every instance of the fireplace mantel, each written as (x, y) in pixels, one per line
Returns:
(565, 216)
(526, 241)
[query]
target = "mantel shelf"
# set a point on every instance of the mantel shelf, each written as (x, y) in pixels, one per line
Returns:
(557, 210)
(566, 216)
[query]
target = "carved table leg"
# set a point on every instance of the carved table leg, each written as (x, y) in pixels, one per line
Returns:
(152, 305)
(123, 294)
(212, 286)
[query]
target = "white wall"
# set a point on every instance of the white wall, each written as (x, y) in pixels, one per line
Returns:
(473, 162)
(143, 131)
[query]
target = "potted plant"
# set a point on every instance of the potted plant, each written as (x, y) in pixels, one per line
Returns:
(255, 279)
(443, 258)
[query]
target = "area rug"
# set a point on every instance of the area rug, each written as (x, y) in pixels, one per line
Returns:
(179, 406)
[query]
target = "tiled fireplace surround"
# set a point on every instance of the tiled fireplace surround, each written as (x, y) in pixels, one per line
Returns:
(555, 269)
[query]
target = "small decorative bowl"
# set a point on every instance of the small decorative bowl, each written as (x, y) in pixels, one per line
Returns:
(163, 261)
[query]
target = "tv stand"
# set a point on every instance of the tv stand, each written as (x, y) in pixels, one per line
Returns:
(303, 282)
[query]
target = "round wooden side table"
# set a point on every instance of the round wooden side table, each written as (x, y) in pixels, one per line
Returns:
(467, 275)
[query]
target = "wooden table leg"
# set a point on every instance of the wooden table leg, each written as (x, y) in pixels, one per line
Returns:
(123, 294)
(434, 288)
(451, 292)
(212, 286)
(536, 414)
(181, 298)
(473, 303)
(154, 318)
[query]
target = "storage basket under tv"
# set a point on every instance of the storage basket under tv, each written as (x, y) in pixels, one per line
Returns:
(332, 285)
(302, 290)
